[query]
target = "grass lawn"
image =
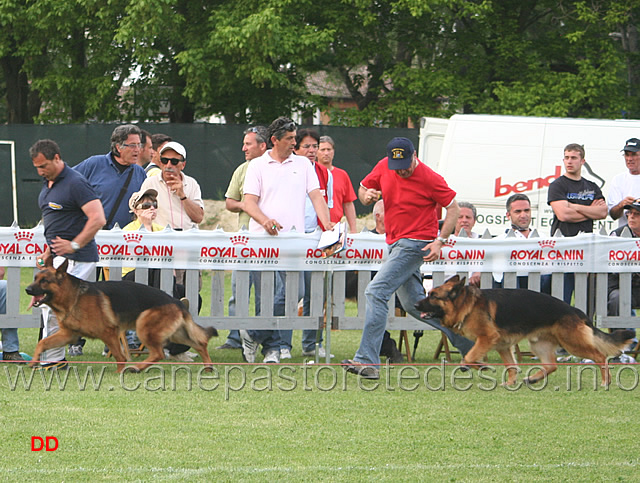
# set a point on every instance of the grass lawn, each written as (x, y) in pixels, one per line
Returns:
(300, 422)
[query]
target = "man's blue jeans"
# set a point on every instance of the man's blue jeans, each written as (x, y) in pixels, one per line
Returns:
(9, 336)
(308, 335)
(270, 339)
(401, 273)
(233, 339)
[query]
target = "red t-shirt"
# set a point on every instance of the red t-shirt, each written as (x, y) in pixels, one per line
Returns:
(342, 193)
(410, 203)
(323, 178)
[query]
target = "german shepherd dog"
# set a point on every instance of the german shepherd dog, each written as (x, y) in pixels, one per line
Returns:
(500, 318)
(102, 310)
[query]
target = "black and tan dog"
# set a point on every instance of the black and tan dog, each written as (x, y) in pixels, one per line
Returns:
(102, 310)
(500, 318)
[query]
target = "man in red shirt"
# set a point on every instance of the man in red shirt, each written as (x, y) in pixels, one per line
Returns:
(343, 194)
(411, 192)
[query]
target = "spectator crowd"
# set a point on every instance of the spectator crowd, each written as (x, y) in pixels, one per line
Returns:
(289, 179)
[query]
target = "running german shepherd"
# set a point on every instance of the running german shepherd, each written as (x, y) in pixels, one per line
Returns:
(500, 318)
(102, 310)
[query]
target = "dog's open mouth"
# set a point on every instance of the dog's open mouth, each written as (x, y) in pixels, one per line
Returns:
(38, 300)
(427, 310)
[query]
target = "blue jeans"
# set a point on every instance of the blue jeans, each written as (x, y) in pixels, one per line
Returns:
(401, 273)
(9, 336)
(569, 285)
(270, 339)
(233, 339)
(308, 335)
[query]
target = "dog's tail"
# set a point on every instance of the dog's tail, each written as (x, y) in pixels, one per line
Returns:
(196, 332)
(614, 343)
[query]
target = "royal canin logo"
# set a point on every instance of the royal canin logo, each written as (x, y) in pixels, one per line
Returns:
(239, 240)
(448, 252)
(626, 255)
(132, 238)
(349, 242)
(23, 245)
(23, 236)
(506, 189)
(238, 250)
(547, 252)
(133, 248)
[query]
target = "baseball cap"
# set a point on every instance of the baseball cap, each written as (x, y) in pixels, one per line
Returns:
(633, 206)
(400, 153)
(177, 147)
(632, 145)
(138, 195)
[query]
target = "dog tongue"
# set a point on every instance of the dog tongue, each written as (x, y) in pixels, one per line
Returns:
(35, 301)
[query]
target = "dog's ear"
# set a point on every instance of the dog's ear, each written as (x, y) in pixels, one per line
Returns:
(63, 268)
(455, 290)
(453, 279)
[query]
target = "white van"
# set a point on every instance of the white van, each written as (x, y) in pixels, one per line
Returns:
(487, 158)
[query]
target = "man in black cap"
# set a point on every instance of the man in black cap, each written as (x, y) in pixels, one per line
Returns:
(412, 191)
(625, 187)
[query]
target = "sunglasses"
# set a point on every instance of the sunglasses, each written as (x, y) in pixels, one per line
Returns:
(290, 126)
(146, 205)
(173, 161)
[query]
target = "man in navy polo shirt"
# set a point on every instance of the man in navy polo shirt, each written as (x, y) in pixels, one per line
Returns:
(72, 214)
(111, 173)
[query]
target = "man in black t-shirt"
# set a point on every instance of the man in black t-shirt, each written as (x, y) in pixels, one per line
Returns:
(575, 202)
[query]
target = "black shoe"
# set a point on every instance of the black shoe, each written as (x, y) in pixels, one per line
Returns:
(390, 350)
(13, 356)
(362, 370)
(396, 357)
(226, 345)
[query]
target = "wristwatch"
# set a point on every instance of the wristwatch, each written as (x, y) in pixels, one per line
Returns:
(442, 240)
(75, 246)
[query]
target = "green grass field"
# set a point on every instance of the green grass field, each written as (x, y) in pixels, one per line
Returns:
(301, 422)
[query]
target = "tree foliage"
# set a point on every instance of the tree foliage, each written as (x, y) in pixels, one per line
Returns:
(388, 62)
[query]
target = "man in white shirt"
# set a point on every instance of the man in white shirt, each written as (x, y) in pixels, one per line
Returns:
(625, 187)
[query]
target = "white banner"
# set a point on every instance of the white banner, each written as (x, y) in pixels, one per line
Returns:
(220, 250)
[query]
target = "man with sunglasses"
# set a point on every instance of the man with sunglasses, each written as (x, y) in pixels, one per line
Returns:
(116, 175)
(180, 202)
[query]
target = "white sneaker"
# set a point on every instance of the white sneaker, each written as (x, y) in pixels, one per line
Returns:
(249, 347)
(312, 353)
(272, 357)
(285, 353)
(182, 357)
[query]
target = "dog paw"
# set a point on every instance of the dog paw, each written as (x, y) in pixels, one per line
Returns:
(464, 368)
(131, 369)
(530, 382)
